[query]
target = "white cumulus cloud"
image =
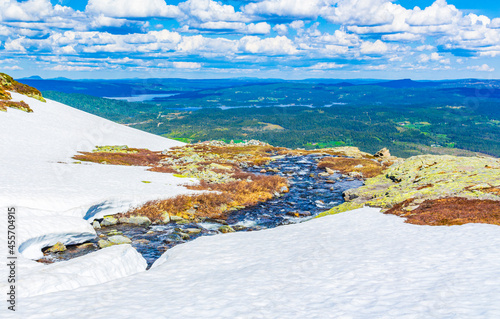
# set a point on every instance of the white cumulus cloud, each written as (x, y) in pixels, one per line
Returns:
(186, 65)
(132, 8)
(377, 47)
(279, 45)
(481, 68)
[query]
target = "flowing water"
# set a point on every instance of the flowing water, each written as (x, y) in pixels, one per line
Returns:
(310, 194)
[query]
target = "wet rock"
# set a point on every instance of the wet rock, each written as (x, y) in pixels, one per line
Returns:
(136, 220)
(355, 174)
(192, 231)
(86, 246)
(109, 221)
(119, 240)
(183, 235)
(331, 171)
(114, 232)
(102, 243)
(96, 224)
(172, 238)
(226, 229)
(215, 220)
(58, 247)
(239, 227)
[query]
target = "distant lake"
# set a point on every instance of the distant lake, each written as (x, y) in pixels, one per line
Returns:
(223, 107)
(141, 97)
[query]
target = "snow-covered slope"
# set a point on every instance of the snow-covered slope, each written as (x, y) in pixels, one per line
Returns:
(56, 198)
(359, 264)
(37, 149)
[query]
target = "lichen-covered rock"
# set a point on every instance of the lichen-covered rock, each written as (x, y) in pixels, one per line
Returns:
(226, 229)
(165, 218)
(109, 221)
(119, 240)
(58, 247)
(96, 224)
(102, 243)
(427, 177)
(136, 220)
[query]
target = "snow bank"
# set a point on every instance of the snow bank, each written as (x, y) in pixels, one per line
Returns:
(56, 198)
(114, 262)
(359, 264)
(37, 148)
(47, 230)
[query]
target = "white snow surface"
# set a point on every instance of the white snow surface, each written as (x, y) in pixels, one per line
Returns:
(38, 148)
(114, 262)
(358, 264)
(56, 199)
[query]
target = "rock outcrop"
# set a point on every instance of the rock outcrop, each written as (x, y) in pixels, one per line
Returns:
(7, 85)
(426, 178)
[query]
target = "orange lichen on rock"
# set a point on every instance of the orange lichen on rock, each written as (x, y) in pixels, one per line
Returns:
(369, 168)
(449, 211)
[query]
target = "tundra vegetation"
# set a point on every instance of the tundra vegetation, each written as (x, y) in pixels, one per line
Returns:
(7, 83)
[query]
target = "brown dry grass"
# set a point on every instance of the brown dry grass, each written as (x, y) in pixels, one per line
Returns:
(214, 204)
(15, 105)
(492, 190)
(163, 169)
(4, 95)
(450, 211)
(143, 157)
(345, 165)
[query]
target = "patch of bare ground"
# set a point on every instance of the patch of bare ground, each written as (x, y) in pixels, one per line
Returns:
(449, 211)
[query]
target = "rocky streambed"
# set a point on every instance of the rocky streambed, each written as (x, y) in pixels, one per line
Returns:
(311, 191)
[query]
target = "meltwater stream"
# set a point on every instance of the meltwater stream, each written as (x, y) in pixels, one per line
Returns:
(310, 194)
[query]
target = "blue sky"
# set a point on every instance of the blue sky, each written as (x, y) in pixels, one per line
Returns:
(291, 39)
